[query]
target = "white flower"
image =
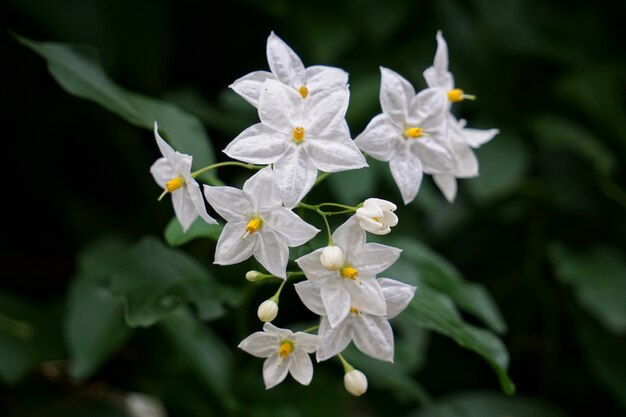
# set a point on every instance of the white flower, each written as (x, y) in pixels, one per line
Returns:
(298, 137)
(141, 405)
(267, 311)
(410, 133)
(285, 352)
(258, 224)
(332, 258)
(377, 216)
(371, 333)
(173, 173)
(355, 382)
(355, 282)
(462, 140)
(287, 68)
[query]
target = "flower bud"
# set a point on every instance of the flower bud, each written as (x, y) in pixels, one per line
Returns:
(267, 311)
(252, 275)
(355, 382)
(332, 258)
(376, 216)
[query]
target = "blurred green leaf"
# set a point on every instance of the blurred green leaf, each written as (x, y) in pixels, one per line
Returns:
(155, 280)
(598, 277)
(489, 404)
(351, 187)
(441, 275)
(94, 321)
(435, 311)
(29, 335)
(174, 235)
(203, 351)
(78, 71)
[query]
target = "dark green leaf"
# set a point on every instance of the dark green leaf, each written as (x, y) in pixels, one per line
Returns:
(154, 280)
(175, 236)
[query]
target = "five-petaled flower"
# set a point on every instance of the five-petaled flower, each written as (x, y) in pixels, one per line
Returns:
(257, 223)
(285, 352)
(173, 173)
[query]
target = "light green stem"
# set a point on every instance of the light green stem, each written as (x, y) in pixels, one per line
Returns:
(346, 366)
(224, 164)
(276, 296)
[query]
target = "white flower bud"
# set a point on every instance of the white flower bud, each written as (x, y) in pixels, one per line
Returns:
(268, 310)
(141, 405)
(332, 258)
(252, 275)
(355, 382)
(376, 216)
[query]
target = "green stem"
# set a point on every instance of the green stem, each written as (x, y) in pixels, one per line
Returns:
(323, 214)
(223, 164)
(310, 329)
(276, 296)
(295, 274)
(321, 178)
(343, 206)
(346, 366)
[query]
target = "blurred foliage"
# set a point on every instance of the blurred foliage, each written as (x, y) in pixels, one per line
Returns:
(532, 251)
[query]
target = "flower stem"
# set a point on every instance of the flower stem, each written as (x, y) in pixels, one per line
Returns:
(346, 366)
(343, 206)
(310, 329)
(276, 296)
(223, 164)
(321, 178)
(323, 214)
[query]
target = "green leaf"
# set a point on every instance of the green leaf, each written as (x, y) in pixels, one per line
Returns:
(94, 321)
(598, 278)
(432, 269)
(489, 404)
(202, 350)
(174, 235)
(155, 280)
(352, 187)
(79, 72)
(435, 311)
(29, 335)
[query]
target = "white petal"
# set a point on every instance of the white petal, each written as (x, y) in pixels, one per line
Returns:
(301, 367)
(166, 150)
(406, 170)
(262, 191)
(320, 78)
(290, 228)
(438, 75)
(312, 267)
(231, 247)
(447, 184)
(397, 294)
(284, 62)
(334, 153)
(249, 86)
(395, 96)
(374, 258)
(373, 336)
(193, 189)
(184, 208)
(258, 145)
(380, 138)
(466, 162)
(325, 111)
(435, 157)
(336, 301)
(349, 237)
(296, 174)
(367, 296)
(162, 171)
(282, 333)
(310, 296)
(333, 340)
(260, 344)
(280, 107)
(428, 110)
(441, 56)
(229, 202)
(275, 370)
(477, 137)
(306, 342)
(272, 253)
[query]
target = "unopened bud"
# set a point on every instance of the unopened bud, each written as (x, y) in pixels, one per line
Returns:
(332, 258)
(268, 310)
(377, 216)
(253, 275)
(355, 382)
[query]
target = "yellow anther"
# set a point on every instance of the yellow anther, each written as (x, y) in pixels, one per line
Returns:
(457, 95)
(285, 348)
(174, 184)
(355, 311)
(298, 134)
(414, 132)
(253, 225)
(304, 92)
(349, 272)
(377, 219)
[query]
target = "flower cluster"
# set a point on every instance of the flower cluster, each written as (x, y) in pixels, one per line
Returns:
(302, 132)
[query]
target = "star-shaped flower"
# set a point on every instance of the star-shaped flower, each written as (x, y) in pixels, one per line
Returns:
(409, 133)
(298, 137)
(354, 282)
(372, 334)
(285, 352)
(257, 223)
(173, 173)
(287, 68)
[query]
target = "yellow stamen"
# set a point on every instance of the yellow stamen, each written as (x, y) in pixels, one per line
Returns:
(377, 219)
(349, 272)
(298, 134)
(414, 132)
(174, 184)
(253, 225)
(457, 95)
(285, 348)
(304, 92)
(355, 311)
